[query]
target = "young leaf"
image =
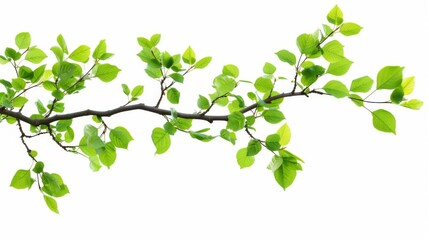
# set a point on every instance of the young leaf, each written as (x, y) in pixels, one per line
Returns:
(389, 77)
(69, 135)
(100, 50)
(231, 70)
(333, 51)
(414, 104)
(189, 56)
(272, 142)
(81, 54)
(336, 89)
(228, 136)
(62, 125)
(120, 137)
(286, 56)
(235, 121)
(19, 101)
(356, 99)
(23, 40)
(253, 147)
(362, 84)
(168, 127)
(177, 77)
(263, 84)
(273, 116)
(201, 136)
(107, 72)
(161, 140)
(155, 39)
(269, 68)
(223, 84)
(384, 121)
(125, 89)
(137, 91)
(335, 16)
(203, 102)
(203, 62)
(285, 174)
(22, 179)
(339, 67)
(397, 95)
(349, 29)
(243, 159)
(108, 154)
(173, 95)
(38, 167)
(51, 203)
(285, 134)
(18, 84)
(408, 85)
(62, 42)
(35, 55)
(307, 44)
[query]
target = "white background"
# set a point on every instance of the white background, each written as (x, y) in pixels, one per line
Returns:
(357, 183)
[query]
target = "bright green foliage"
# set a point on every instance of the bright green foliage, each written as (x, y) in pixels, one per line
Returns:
(414, 104)
(356, 99)
(63, 45)
(18, 83)
(136, 92)
(230, 70)
(389, 77)
(362, 84)
(228, 136)
(23, 40)
(173, 95)
(80, 54)
(285, 134)
(107, 154)
(311, 73)
(107, 72)
(35, 55)
(51, 203)
(397, 95)
(285, 172)
(384, 121)
(243, 159)
(203, 102)
(253, 147)
(339, 67)
(120, 137)
(408, 85)
(200, 135)
(235, 121)
(273, 116)
(223, 84)
(161, 140)
(38, 167)
(333, 51)
(189, 56)
(286, 56)
(335, 16)
(203, 62)
(307, 44)
(100, 50)
(336, 89)
(272, 142)
(269, 68)
(53, 185)
(349, 29)
(263, 84)
(22, 179)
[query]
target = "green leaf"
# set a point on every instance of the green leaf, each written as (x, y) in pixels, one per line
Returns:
(253, 147)
(39, 72)
(23, 40)
(335, 16)
(327, 29)
(389, 77)
(170, 128)
(349, 29)
(125, 89)
(94, 163)
(59, 54)
(362, 84)
(167, 60)
(235, 121)
(397, 95)
(144, 42)
(51, 203)
(22, 179)
(38, 167)
(384, 121)
(19, 101)
(120, 137)
(285, 174)
(307, 44)
(11, 53)
(243, 159)
(231, 70)
(182, 123)
(108, 154)
(189, 56)
(201, 136)
(356, 99)
(286, 56)
(276, 162)
(35, 55)
(269, 68)
(100, 50)
(272, 142)
(285, 134)
(25, 72)
(203, 62)
(18, 84)
(173, 95)
(161, 140)
(408, 85)
(223, 84)
(155, 39)
(311, 73)
(228, 136)
(333, 51)
(62, 125)
(53, 185)
(414, 104)
(86, 149)
(153, 72)
(203, 102)
(62, 42)
(340, 67)
(107, 72)
(137, 91)
(273, 116)
(177, 77)
(263, 85)
(69, 135)
(40, 107)
(81, 54)
(336, 89)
